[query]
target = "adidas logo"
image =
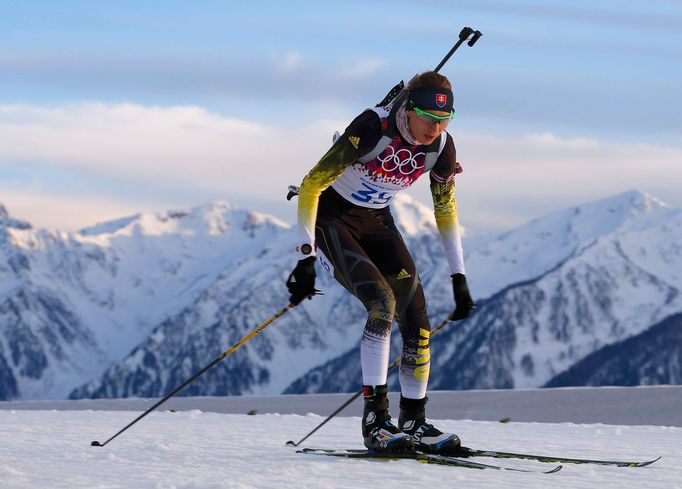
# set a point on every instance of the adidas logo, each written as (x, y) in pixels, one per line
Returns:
(403, 275)
(355, 141)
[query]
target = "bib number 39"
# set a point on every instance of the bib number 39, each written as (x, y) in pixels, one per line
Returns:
(371, 195)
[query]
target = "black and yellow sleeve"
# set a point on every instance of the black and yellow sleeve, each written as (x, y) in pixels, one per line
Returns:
(358, 139)
(445, 206)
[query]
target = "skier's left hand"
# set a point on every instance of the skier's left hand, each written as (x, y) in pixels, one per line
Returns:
(464, 303)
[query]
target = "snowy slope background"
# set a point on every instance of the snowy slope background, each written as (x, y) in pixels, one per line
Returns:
(135, 306)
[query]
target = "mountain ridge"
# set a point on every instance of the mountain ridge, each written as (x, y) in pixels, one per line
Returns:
(161, 294)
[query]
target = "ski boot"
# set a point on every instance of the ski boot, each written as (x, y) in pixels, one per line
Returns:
(426, 437)
(380, 435)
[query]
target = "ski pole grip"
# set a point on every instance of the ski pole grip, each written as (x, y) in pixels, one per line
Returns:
(463, 36)
(293, 192)
(465, 33)
(475, 38)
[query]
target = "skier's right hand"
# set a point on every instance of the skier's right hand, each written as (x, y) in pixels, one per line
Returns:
(301, 282)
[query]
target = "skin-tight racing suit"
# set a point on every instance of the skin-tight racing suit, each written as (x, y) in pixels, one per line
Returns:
(343, 212)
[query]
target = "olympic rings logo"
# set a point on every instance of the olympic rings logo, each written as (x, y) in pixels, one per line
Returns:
(392, 162)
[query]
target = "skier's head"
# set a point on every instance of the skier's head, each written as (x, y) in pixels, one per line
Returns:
(430, 106)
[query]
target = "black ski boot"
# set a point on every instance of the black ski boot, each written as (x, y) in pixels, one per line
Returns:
(379, 433)
(428, 439)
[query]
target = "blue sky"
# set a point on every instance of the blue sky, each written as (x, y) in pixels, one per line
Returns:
(112, 108)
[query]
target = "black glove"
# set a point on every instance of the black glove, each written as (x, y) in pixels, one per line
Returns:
(301, 282)
(464, 302)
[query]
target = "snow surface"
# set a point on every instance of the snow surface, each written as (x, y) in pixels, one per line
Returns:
(198, 450)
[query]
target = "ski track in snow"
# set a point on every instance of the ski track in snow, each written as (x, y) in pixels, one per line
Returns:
(198, 450)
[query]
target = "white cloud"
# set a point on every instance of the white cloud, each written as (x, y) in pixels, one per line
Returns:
(513, 178)
(552, 141)
(183, 145)
(510, 180)
(289, 62)
(549, 164)
(65, 211)
(361, 68)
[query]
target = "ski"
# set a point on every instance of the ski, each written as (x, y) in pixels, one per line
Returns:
(465, 452)
(469, 452)
(425, 458)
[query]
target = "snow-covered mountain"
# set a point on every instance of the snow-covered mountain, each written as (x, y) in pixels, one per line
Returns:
(653, 357)
(245, 294)
(73, 304)
(618, 274)
(136, 306)
(550, 293)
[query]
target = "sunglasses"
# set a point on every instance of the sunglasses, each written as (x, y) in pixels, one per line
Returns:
(430, 118)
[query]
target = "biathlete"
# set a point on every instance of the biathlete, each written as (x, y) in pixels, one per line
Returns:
(345, 221)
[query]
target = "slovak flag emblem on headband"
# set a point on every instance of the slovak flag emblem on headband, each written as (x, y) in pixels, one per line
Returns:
(441, 100)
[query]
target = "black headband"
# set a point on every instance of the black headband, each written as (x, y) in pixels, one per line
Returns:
(431, 98)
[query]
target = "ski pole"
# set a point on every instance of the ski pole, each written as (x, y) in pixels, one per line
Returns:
(393, 364)
(466, 33)
(399, 89)
(225, 354)
(463, 36)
